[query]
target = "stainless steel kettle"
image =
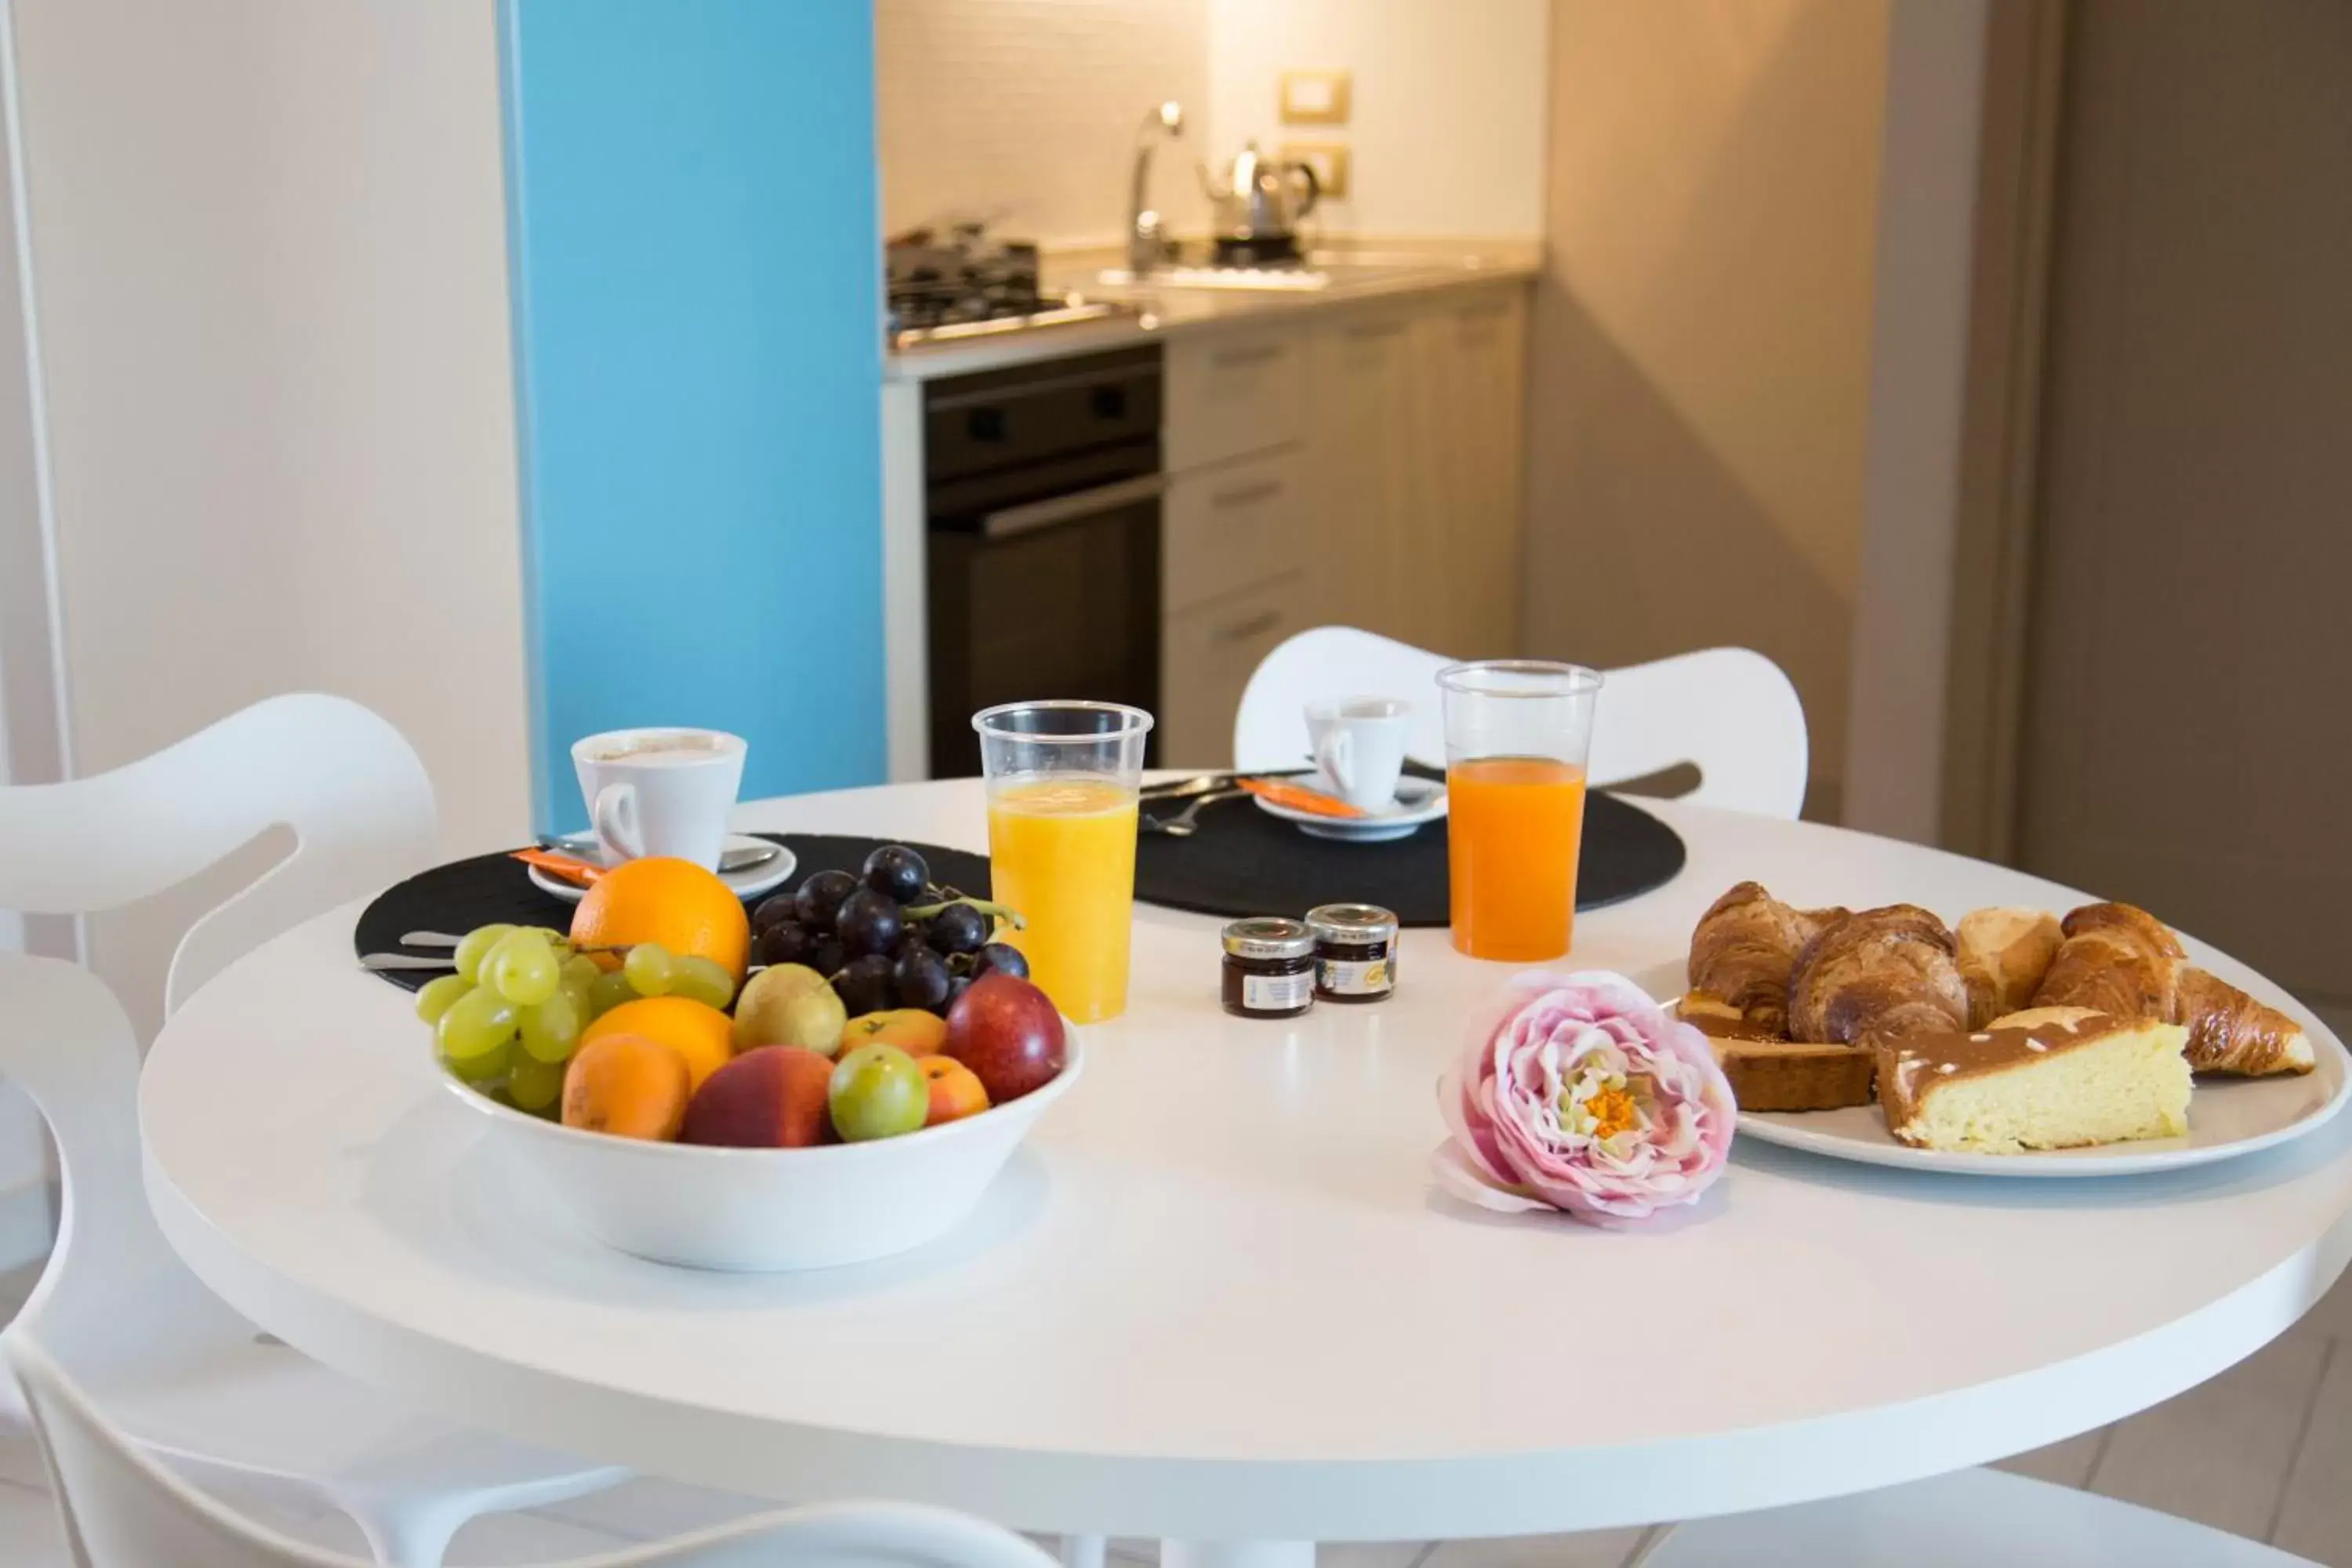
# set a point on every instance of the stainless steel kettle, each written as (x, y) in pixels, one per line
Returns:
(1260, 201)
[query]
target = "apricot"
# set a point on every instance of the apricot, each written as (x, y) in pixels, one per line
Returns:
(772, 1096)
(956, 1090)
(912, 1030)
(628, 1085)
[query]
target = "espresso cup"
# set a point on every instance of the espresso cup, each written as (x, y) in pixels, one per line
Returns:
(1359, 743)
(660, 792)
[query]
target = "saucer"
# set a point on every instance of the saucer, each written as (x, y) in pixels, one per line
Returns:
(1417, 801)
(745, 885)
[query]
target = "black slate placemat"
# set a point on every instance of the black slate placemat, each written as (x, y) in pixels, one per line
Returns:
(491, 889)
(1246, 862)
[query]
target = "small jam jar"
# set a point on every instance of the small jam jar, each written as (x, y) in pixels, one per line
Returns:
(1355, 952)
(1269, 968)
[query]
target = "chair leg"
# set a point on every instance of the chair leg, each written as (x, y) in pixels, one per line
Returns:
(1082, 1551)
(411, 1536)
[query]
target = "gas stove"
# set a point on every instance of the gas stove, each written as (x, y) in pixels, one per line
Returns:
(967, 285)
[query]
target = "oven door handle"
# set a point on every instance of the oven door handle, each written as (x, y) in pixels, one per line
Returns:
(1039, 514)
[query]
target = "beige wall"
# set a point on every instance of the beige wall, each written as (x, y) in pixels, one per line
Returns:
(1701, 353)
(1446, 126)
(270, 248)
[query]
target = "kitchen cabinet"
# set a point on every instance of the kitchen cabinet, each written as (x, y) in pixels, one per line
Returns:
(1359, 466)
(1233, 392)
(1416, 413)
(1226, 527)
(1471, 386)
(1207, 654)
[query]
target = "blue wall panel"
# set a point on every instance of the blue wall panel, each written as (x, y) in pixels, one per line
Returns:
(693, 233)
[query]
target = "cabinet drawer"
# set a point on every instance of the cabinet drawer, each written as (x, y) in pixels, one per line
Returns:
(1207, 655)
(1225, 528)
(1233, 392)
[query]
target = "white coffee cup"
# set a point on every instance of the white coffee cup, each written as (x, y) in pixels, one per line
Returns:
(1359, 745)
(660, 792)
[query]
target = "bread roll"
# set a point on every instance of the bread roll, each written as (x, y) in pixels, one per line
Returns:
(2004, 953)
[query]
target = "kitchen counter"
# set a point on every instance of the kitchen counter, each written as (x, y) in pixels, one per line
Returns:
(1358, 274)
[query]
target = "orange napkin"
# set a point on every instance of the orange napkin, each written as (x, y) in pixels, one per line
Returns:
(1297, 797)
(562, 867)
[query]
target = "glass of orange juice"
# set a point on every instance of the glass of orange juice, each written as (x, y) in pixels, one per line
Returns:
(1517, 733)
(1063, 779)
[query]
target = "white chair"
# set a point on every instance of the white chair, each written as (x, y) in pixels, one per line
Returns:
(1966, 1520)
(121, 1510)
(173, 1364)
(1728, 711)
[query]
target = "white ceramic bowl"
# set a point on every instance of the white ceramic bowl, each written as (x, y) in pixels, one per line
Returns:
(768, 1210)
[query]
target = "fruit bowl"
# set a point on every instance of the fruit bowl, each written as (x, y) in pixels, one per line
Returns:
(771, 1210)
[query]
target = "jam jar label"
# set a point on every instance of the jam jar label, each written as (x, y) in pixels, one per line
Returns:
(1277, 992)
(1356, 978)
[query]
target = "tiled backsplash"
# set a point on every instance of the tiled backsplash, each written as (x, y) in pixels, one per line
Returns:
(1024, 112)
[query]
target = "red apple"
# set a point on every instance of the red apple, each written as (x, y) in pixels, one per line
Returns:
(1007, 1031)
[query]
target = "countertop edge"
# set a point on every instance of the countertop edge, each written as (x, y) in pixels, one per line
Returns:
(1201, 312)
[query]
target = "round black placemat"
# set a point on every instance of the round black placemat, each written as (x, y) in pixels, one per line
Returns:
(490, 889)
(1246, 862)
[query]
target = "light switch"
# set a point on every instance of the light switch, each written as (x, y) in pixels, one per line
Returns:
(1315, 98)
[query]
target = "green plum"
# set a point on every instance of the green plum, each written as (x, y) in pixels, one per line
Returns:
(878, 1091)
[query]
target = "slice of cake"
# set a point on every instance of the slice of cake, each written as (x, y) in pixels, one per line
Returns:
(2049, 1077)
(1768, 1073)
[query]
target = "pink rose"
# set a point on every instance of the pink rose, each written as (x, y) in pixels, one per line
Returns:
(1586, 1097)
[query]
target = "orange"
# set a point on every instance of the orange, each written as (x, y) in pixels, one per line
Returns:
(675, 903)
(700, 1033)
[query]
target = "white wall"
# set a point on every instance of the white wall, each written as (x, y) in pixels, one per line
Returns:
(1446, 127)
(269, 242)
(1024, 111)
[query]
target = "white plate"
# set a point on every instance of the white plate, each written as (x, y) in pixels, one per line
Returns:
(1418, 801)
(745, 885)
(2227, 1117)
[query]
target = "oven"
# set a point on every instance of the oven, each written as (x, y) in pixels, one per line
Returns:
(1041, 490)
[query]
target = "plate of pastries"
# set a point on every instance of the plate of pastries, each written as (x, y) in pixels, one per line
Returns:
(2017, 1042)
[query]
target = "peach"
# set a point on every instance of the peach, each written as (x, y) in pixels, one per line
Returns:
(772, 1096)
(912, 1030)
(628, 1085)
(956, 1092)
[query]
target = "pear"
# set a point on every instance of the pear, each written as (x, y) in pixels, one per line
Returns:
(789, 1004)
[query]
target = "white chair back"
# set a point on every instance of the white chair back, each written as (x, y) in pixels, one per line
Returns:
(1728, 711)
(65, 1040)
(344, 781)
(122, 1509)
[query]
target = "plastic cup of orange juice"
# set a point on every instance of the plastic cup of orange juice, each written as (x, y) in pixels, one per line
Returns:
(1516, 734)
(1063, 779)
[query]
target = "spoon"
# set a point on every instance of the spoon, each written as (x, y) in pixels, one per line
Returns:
(381, 961)
(1183, 825)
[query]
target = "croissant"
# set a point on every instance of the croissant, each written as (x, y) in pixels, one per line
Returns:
(1877, 976)
(1740, 955)
(2117, 958)
(2004, 953)
(2229, 1032)
(2124, 961)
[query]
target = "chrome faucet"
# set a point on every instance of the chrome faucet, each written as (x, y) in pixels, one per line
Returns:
(1147, 244)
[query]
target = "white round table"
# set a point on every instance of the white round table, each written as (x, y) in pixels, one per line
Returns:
(1217, 1296)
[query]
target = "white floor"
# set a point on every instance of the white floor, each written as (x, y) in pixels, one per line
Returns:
(2265, 1450)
